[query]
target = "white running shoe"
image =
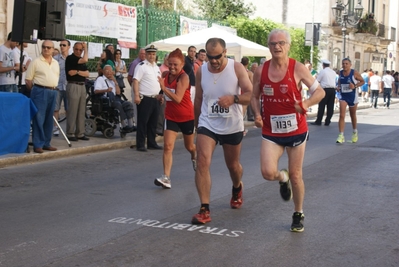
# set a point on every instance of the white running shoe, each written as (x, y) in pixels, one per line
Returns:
(163, 181)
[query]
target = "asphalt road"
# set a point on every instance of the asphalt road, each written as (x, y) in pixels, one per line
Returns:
(104, 210)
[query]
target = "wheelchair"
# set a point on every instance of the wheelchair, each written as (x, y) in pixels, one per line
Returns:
(102, 118)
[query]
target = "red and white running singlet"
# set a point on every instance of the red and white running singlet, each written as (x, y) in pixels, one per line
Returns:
(182, 112)
(280, 117)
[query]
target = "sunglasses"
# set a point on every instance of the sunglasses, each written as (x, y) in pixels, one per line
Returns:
(117, 53)
(77, 49)
(214, 57)
(63, 45)
(47, 47)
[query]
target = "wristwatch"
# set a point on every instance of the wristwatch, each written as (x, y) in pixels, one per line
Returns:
(236, 99)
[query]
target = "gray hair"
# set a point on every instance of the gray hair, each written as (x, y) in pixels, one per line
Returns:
(107, 66)
(277, 31)
(262, 60)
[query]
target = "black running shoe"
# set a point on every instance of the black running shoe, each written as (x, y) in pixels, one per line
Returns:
(297, 222)
(285, 187)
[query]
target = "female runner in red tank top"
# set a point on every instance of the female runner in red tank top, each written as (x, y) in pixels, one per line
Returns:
(179, 114)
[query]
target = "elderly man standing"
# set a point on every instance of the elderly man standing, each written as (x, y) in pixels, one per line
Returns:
(76, 73)
(326, 78)
(146, 90)
(42, 76)
(133, 65)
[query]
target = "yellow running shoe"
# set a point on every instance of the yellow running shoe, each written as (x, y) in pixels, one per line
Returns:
(354, 137)
(340, 139)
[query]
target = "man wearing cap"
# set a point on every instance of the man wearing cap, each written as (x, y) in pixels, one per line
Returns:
(326, 78)
(146, 90)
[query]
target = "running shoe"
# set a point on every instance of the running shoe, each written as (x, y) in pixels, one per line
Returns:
(236, 199)
(194, 162)
(354, 137)
(202, 217)
(285, 187)
(163, 181)
(340, 139)
(297, 222)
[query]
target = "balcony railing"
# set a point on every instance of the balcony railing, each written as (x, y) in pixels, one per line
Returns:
(382, 31)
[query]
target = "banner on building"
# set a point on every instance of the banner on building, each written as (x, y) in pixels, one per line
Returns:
(188, 25)
(106, 19)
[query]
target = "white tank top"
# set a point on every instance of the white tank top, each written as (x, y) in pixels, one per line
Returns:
(214, 85)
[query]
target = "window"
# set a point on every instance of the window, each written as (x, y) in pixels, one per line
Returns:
(336, 63)
(372, 6)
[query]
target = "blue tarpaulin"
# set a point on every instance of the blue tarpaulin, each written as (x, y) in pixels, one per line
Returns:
(16, 112)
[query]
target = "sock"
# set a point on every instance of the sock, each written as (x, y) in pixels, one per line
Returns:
(206, 206)
(354, 130)
(237, 190)
(342, 133)
(130, 122)
(123, 123)
(285, 177)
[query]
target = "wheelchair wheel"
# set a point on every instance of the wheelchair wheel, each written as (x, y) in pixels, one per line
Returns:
(90, 127)
(61, 117)
(108, 132)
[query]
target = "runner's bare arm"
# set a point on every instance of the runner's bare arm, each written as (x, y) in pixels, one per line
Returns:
(255, 100)
(359, 78)
(245, 84)
(198, 97)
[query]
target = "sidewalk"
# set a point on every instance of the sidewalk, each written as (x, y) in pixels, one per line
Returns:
(99, 143)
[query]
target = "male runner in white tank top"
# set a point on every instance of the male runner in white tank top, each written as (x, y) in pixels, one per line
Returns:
(218, 117)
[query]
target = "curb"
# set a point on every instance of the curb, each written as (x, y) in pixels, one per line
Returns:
(34, 157)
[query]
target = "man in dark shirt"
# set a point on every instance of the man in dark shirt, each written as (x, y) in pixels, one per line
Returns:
(189, 69)
(76, 73)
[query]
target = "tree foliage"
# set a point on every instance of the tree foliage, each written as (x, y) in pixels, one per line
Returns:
(235, 13)
(222, 9)
(257, 30)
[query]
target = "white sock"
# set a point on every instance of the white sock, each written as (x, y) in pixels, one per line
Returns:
(285, 177)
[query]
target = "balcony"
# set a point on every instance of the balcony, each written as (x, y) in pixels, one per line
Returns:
(367, 25)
